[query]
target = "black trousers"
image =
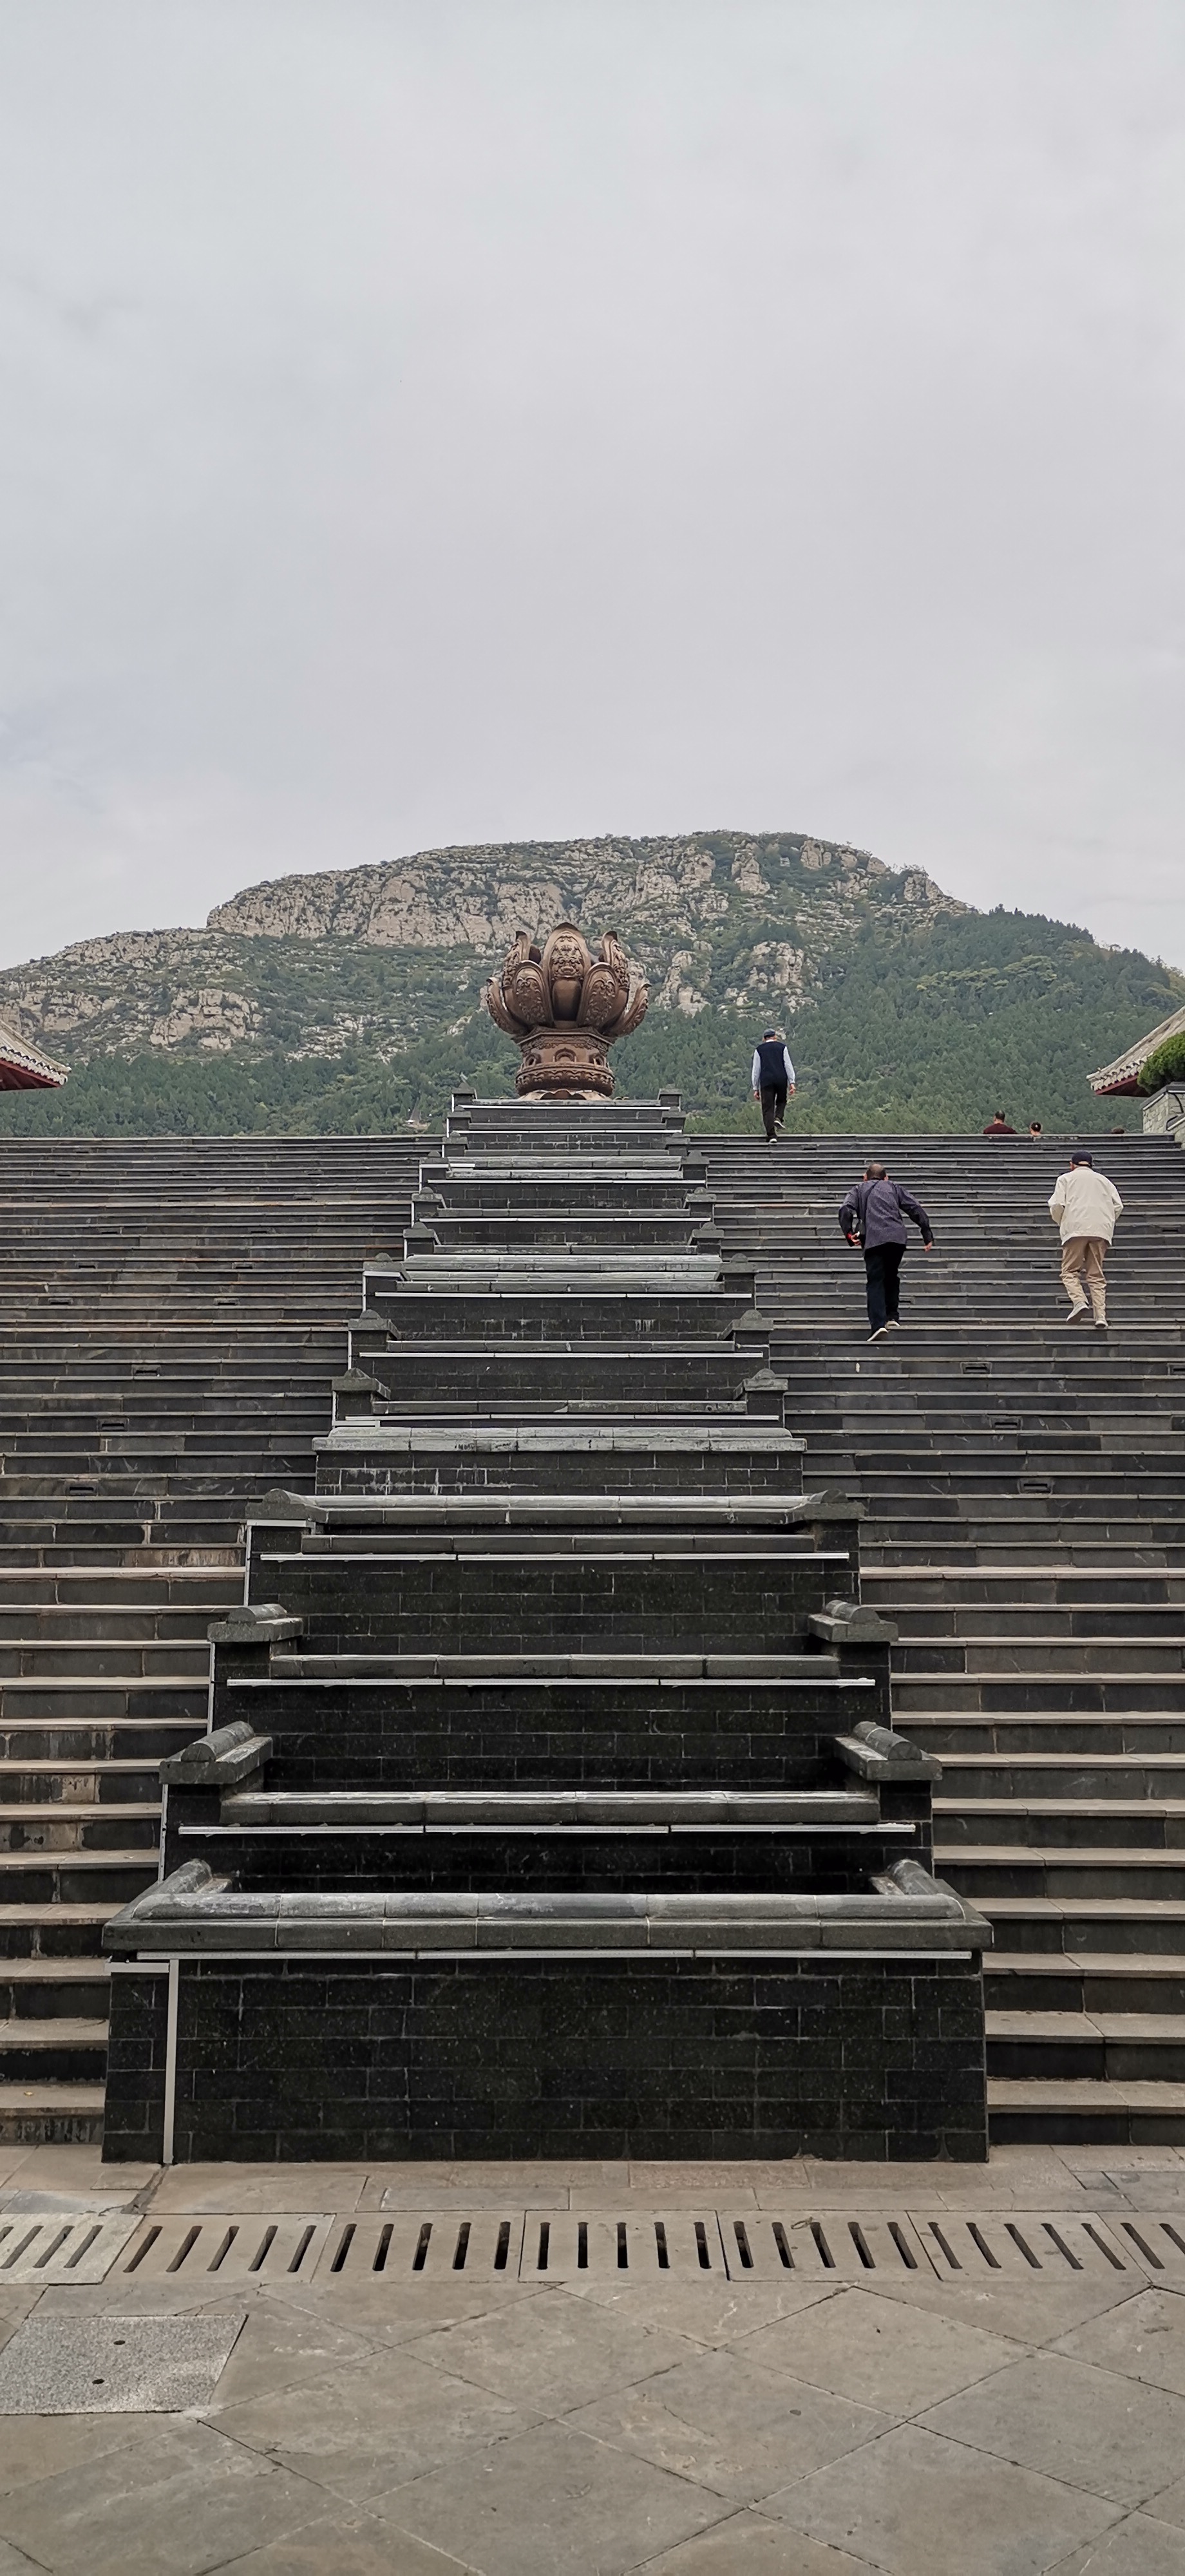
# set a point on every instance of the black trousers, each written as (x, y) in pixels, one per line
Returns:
(773, 1103)
(883, 1273)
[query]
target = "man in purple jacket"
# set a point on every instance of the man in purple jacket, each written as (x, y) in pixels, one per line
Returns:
(871, 1215)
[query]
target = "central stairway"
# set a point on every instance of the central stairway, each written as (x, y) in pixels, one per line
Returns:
(1025, 1484)
(550, 1805)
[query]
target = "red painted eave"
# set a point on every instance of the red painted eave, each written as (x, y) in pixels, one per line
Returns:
(20, 1077)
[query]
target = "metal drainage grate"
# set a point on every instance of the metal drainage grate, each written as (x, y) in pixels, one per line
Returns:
(1023, 2244)
(843, 2249)
(485, 2247)
(81, 2248)
(1156, 2244)
(226, 2249)
(567, 2247)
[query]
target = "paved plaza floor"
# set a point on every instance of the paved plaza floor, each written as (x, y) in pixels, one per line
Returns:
(545, 2370)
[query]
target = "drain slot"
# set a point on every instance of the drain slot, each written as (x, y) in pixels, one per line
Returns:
(830, 2248)
(565, 2247)
(480, 2247)
(1033, 2246)
(228, 2249)
(70, 2246)
(1158, 2244)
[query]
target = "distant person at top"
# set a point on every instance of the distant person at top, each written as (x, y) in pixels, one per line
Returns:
(998, 1125)
(1036, 1132)
(1085, 1205)
(871, 1216)
(772, 1077)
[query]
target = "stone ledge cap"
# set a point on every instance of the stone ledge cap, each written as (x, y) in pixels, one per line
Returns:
(267, 1623)
(879, 1753)
(847, 1623)
(232, 1753)
(281, 1504)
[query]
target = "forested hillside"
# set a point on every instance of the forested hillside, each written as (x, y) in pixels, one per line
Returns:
(317, 1005)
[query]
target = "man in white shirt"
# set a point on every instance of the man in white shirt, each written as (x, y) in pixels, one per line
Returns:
(772, 1077)
(1085, 1205)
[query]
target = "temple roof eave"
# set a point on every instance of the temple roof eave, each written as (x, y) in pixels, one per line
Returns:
(24, 1067)
(1122, 1078)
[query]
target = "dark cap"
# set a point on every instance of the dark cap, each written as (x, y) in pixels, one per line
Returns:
(1082, 1158)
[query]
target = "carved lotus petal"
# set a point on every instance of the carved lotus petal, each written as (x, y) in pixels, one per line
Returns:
(525, 989)
(566, 962)
(602, 998)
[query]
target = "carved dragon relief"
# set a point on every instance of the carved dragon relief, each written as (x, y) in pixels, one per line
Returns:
(564, 1008)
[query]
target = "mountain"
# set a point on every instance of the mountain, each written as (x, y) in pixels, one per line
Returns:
(349, 1000)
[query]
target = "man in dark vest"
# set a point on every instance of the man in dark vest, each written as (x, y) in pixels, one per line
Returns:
(772, 1077)
(871, 1216)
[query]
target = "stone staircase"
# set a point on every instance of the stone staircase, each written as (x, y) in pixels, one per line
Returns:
(1026, 1489)
(549, 1806)
(170, 1315)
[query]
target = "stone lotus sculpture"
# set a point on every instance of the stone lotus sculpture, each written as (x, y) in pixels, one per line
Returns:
(565, 1007)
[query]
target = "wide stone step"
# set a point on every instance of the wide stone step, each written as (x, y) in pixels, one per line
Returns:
(54, 1930)
(105, 1827)
(993, 1691)
(44, 2113)
(1048, 1627)
(534, 1811)
(77, 1877)
(1061, 1777)
(25, 1625)
(1107, 2047)
(1016, 1816)
(655, 1370)
(134, 1741)
(1026, 2110)
(937, 1658)
(42, 1988)
(584, 1312)
(104, 1782)
(58, 2051)
(1092, 1982)
(184, 1594)
(103, 1699)
(1068, 1875)
(904, 1592)
(160, 1659)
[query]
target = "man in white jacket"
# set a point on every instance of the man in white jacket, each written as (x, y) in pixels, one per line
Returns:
(1085, 1205)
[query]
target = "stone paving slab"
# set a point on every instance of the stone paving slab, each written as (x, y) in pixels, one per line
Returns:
(64, 2365)
(1136, 2547)
(678, 2425)
(748, 2545)
(918, 2505)
(192, 2503)
(554, 2503)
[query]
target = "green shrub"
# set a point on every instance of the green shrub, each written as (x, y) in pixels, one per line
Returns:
(1165, 1064)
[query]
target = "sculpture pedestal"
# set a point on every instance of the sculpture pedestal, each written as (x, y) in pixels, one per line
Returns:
(564, 1064)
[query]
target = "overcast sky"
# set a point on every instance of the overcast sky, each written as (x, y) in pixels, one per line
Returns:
(430, 422)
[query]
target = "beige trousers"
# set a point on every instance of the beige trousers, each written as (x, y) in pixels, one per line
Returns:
(1082, 1268)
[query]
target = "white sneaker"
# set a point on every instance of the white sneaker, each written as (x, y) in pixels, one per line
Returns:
(880, 1333)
